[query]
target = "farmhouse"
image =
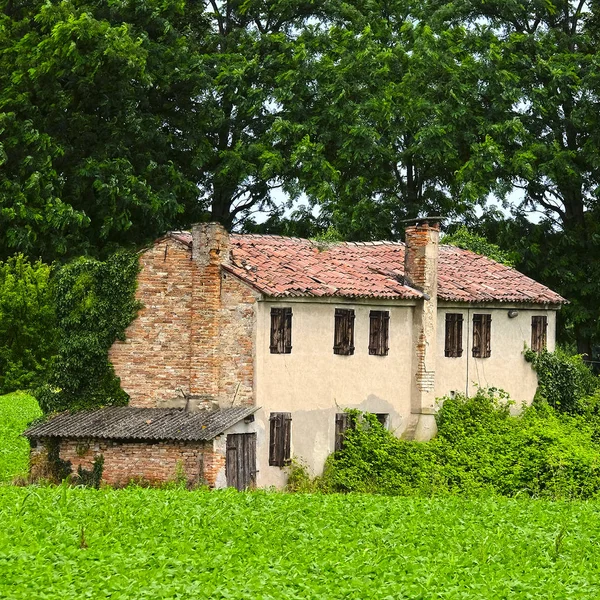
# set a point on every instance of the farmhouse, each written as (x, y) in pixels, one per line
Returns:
(249, 348)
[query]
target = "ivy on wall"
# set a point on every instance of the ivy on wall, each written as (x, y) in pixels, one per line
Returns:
(94, 303)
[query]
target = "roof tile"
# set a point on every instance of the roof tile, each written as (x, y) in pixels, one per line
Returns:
(289, 267)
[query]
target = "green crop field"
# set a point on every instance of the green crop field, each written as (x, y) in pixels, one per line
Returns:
(75, 543)
(16, 410)
(61, 542)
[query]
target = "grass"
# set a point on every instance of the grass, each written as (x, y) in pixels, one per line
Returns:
(72, 543)
(16, 411)
(141, 543)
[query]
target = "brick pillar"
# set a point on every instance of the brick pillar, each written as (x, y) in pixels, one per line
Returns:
(210, 249)
(421, 270)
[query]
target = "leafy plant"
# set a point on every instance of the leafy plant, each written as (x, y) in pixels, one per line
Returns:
(564, 381)
(28, 336)
(16, 411)
(91, 477)
(174, 543)
(480, 448)
(95, 302)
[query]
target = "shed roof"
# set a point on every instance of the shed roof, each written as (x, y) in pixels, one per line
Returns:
(286, 267)
(130, 423)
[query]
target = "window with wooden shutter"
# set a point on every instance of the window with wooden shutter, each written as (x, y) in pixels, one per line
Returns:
(379, 326)
(539, 325)
(454, 327)
(280, 438)
(281, 330)
(343, 340)
(482, 329)
(343, 422)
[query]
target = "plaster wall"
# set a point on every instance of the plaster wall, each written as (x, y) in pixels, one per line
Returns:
(506, 368)
(314, 384)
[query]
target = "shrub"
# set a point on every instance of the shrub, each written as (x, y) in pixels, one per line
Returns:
(480, 448)
(28, 337)
(564, 381)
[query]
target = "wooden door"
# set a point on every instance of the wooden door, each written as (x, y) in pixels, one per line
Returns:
(240, 460)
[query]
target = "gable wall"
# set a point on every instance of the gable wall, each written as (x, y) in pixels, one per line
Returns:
(154, 360)
(195, 333)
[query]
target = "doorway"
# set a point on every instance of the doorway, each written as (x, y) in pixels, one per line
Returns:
(240, 460)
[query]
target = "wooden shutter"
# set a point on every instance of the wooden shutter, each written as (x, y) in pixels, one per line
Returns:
(379, 321)
(343, 422)
(539, 326)
(287, 334)
(343, 337)
(482, 330)
(280, 439)
(281, 331)
(453, 341)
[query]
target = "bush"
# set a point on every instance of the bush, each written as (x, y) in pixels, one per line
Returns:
(564, 381)
(28, 337)
(480, 448)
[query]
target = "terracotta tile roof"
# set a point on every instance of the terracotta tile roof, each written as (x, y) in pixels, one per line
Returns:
(282, 267)
(130, 423)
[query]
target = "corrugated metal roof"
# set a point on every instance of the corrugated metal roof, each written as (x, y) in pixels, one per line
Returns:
(130, 423)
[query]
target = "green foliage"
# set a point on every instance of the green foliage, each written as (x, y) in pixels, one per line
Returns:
(225, 544)
(299, 479)
(91, 478)
(94, 149)
(94, 304)
(480, 448)
(17, 410)
(564, 381)
(27, 323)
(463, 238)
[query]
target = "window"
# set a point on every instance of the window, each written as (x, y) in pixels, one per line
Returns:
(539, 325)
(343, 341)
(345, 421)
(279, 444)
(281, 330)
(482, 328)
(383, 419)
(454, 323)
(378, 332)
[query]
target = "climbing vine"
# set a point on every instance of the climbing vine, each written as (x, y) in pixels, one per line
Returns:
(95, 302)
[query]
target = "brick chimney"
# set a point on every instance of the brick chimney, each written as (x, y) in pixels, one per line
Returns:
(420, 269)
(210, 249)
(210, 244)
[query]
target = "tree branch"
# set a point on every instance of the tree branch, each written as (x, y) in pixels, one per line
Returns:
(219, 17)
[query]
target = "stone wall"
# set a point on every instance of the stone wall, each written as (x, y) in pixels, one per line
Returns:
(124, 461)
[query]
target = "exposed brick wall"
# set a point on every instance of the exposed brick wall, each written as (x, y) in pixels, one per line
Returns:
(237, 346)
(196, 331)
(153, 462)
(154, 361)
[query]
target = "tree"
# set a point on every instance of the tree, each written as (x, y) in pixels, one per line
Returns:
(550, 50)
(94, 133)
(28, 337)
(394, 109)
